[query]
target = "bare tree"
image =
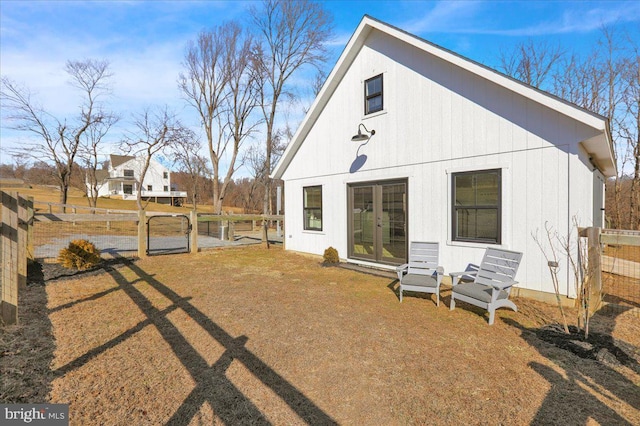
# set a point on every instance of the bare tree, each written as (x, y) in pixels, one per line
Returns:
(59, 139)
(242, 99)
(155, 131)
(220, 84)
(293, 34)
(629, 127)
(581, 82)
(90, 154)
(187, 157)
(553, 265)
(531, 63)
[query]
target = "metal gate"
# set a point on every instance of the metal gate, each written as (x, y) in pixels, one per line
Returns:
(168, 234)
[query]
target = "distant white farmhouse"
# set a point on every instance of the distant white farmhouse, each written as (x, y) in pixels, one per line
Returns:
(462, 155)
(122, 180)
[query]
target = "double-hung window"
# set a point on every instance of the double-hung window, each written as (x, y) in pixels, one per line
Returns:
(373, 95)
(312, 205)
(476, 206)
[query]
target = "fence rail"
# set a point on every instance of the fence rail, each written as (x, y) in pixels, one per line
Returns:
(621, 268)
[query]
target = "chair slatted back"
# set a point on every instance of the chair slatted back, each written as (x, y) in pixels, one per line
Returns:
(423, 257)
(498, 266)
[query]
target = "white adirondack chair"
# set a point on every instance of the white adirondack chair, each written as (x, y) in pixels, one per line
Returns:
(422, 273)
(491, 283)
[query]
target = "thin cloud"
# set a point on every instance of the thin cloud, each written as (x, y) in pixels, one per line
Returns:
(575, 21)
(445, 16)
(463, 17)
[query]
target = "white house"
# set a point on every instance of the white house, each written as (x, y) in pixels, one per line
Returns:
(122, 180)
(457, 153)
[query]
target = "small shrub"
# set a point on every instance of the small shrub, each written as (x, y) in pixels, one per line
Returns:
(331, 256)
(80, 254)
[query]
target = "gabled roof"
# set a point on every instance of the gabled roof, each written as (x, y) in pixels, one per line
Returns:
(600, 148)
(117, 160)
(102, 175)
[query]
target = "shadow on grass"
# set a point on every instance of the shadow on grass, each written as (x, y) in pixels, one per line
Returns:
(212, 386)
(26, 350)
(572, 398)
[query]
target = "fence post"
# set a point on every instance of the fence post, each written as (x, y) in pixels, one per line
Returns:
(142, 234)
(108, 222)
(193, 217)
(23, 230)
(232, 230)
(30, 215)
(9, 237)
(595, 269)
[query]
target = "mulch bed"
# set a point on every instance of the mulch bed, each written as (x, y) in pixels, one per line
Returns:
(40, 273)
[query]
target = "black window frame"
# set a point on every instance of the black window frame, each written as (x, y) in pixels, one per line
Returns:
(128, 173)
(497, 207)
(165, 175)
(166, 188)
(306, 209)
(149, 187)
(368, 96)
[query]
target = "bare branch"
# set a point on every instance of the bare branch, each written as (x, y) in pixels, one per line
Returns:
(58, 140)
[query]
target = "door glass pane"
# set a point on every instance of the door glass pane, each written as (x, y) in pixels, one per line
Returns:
(394, 239)
(363, 222)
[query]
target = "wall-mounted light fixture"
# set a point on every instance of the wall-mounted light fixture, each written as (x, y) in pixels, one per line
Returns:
(361, 137)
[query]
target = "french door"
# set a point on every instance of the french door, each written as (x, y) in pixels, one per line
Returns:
(378, 221)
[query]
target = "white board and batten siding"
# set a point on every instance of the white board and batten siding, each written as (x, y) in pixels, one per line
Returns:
(439, 119)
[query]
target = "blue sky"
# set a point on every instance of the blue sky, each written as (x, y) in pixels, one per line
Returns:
(145, 40)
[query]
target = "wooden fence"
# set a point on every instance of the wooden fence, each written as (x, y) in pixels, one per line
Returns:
(17, 213)
(17, 236)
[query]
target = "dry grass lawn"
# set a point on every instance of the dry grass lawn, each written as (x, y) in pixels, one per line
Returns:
(266, 336)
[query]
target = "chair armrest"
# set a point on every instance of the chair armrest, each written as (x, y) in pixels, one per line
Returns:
(401, 270)
(503, 286)
(455, 276)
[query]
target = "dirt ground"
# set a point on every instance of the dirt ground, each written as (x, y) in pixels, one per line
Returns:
(250, 335)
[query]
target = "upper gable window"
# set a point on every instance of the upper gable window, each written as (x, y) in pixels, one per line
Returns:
(373, 95)
(128, 173)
